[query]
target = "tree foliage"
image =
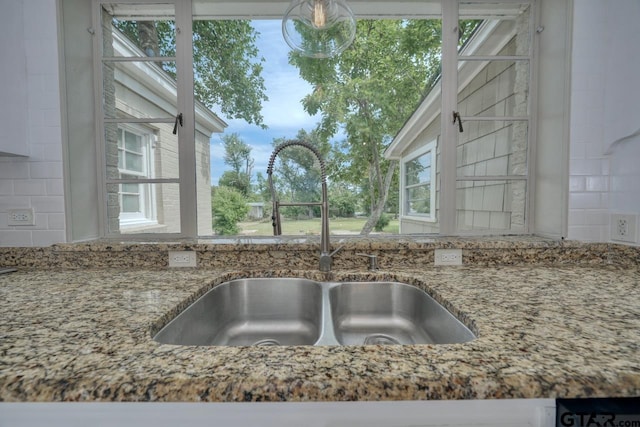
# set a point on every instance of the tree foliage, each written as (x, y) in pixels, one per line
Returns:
(226, 63)
(368, 92)
(297, 175)
(237, 155)
(228, 207)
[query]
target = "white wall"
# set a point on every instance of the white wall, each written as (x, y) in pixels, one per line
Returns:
(35, 181)
(605, 107)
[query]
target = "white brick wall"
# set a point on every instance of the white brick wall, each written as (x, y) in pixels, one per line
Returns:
(35, 181)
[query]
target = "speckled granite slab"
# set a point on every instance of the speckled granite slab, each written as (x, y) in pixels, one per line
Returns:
(302, 253)
(85, 335)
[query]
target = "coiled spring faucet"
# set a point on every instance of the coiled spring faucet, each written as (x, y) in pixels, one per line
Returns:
(325, 254)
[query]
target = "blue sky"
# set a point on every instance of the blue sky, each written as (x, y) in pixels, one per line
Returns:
(283, 112)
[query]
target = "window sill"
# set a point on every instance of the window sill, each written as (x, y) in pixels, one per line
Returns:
(428, 219)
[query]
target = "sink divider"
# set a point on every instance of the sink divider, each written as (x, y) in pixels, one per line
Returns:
(327, 333)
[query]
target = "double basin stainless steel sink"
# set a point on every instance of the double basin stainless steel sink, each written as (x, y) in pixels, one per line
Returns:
(287, 311)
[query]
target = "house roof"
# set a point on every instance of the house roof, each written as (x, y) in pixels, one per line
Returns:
(150, 81)
(490, 38)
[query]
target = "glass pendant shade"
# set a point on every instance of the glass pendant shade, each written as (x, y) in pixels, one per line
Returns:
(319, 28)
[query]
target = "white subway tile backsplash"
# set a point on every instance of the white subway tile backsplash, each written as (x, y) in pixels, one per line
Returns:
(39, 19)
(40, 134)
(6, 187)
(15, 201)
(51, 152)
(36, 117)
(56, 221)
(48, 237)
(36, 181)
(16, 238)
(52, 118)
(585, 233)
(30, 187)
(48, 204)
(39, 98)
(578, 151)
(597, 183)
(577, 217)
(585, 167)
(41, 222)
(55, 187)
(46, 170)
(585, 201)
(13, 168)
(596, 217)
(577, 183)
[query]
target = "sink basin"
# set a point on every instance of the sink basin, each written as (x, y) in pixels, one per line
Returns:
(285, 311)
(391, 313)
(250, 312)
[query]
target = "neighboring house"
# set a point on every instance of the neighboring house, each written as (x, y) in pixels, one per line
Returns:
(491, 154)
(143, 90)
(256, 210)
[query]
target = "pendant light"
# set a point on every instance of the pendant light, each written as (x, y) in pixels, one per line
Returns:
(319, 28)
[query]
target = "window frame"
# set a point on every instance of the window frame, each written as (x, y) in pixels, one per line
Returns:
(147, 215)
(185, 105)
(430, 149)
(184, 16)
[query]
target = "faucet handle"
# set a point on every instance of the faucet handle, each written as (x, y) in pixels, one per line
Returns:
(335, 251)
(373, 261)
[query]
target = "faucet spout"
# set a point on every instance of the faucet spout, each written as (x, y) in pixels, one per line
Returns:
(325, 255)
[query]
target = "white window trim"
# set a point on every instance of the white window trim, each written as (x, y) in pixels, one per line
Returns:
(148, 215)
(185, 106)
(430, 147)
(185, 103)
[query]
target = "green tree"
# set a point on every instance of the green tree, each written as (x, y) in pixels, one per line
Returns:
(227, 67)
(297, 174)
(342, 201)
(228, 207)
(368, 92)
(237, 155)
(239, 181)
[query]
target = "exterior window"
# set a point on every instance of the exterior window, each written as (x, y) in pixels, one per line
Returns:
(135, 162)
(418, 177)
(155, 126)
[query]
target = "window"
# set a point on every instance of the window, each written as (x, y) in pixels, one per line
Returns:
(135, 160)
(418, 183)
(442, 180)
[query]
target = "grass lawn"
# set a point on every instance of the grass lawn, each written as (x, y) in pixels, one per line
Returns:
(292, 227)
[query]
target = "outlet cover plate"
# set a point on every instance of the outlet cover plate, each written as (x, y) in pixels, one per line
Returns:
(448, 257)
(21, 217)
(183, 259)
(624, 227)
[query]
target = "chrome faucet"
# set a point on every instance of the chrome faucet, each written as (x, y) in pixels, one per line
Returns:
(326, 256)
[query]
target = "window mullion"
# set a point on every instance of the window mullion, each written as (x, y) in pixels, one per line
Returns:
(186, 133)
(447, 214)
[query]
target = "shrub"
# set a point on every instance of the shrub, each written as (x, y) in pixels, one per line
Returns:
(228, 207)
(383, 221)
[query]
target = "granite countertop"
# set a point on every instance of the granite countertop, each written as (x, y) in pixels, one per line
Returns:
(543, 331)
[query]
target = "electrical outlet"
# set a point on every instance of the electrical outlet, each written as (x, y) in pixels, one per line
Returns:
(448, 257)
(21, 217)
(182, 259)
(624, 227)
